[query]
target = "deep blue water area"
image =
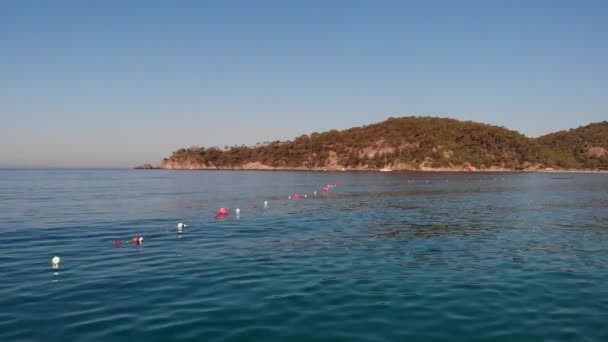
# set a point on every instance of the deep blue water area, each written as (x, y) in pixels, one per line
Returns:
(381, 257)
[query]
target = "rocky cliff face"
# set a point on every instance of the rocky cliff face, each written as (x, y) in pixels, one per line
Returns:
(183, 164)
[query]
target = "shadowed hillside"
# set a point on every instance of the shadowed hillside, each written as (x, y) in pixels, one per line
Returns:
(408, 143)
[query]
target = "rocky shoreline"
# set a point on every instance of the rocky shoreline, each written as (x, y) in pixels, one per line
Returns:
(261, 167)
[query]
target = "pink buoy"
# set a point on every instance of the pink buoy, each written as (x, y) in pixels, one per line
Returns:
(254, 206)
(137, 240)
(325, 189)
(221, 213)
(296, 196)
(117, 243)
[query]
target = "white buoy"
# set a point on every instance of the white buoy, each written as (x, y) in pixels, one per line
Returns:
(55, 262)
(265, 204)
(305, 196)
(237, 211)
(181, 225)
(315, 193)
(289, 197)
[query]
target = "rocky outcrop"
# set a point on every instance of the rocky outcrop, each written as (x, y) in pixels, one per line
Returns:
(146, 167)
(597, 152)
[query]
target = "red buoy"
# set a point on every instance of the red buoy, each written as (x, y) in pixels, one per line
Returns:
(137, 240)
(221, 213)
(296, 196)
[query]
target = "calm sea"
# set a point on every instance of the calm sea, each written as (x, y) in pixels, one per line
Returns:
(382, 257)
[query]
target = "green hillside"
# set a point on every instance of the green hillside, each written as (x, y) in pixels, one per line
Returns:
(409, 143)
(584, 147)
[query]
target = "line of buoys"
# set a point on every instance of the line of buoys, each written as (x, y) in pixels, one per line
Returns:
(224, 213)
(221, 213)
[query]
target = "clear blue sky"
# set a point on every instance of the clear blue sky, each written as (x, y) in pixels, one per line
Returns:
(119, 83)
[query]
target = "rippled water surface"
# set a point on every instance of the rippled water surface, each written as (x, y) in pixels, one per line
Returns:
(382, 257)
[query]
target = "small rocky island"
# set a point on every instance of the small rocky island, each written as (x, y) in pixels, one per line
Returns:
(146, 167)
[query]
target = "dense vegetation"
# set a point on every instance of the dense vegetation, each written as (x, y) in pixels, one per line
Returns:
(584, 147)
(412, 143)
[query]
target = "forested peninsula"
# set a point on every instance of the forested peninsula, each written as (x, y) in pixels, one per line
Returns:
(411, 143)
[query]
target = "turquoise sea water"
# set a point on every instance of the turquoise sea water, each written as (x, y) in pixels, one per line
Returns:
(383, 257)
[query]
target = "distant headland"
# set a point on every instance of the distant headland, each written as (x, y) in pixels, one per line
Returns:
(410, 143)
